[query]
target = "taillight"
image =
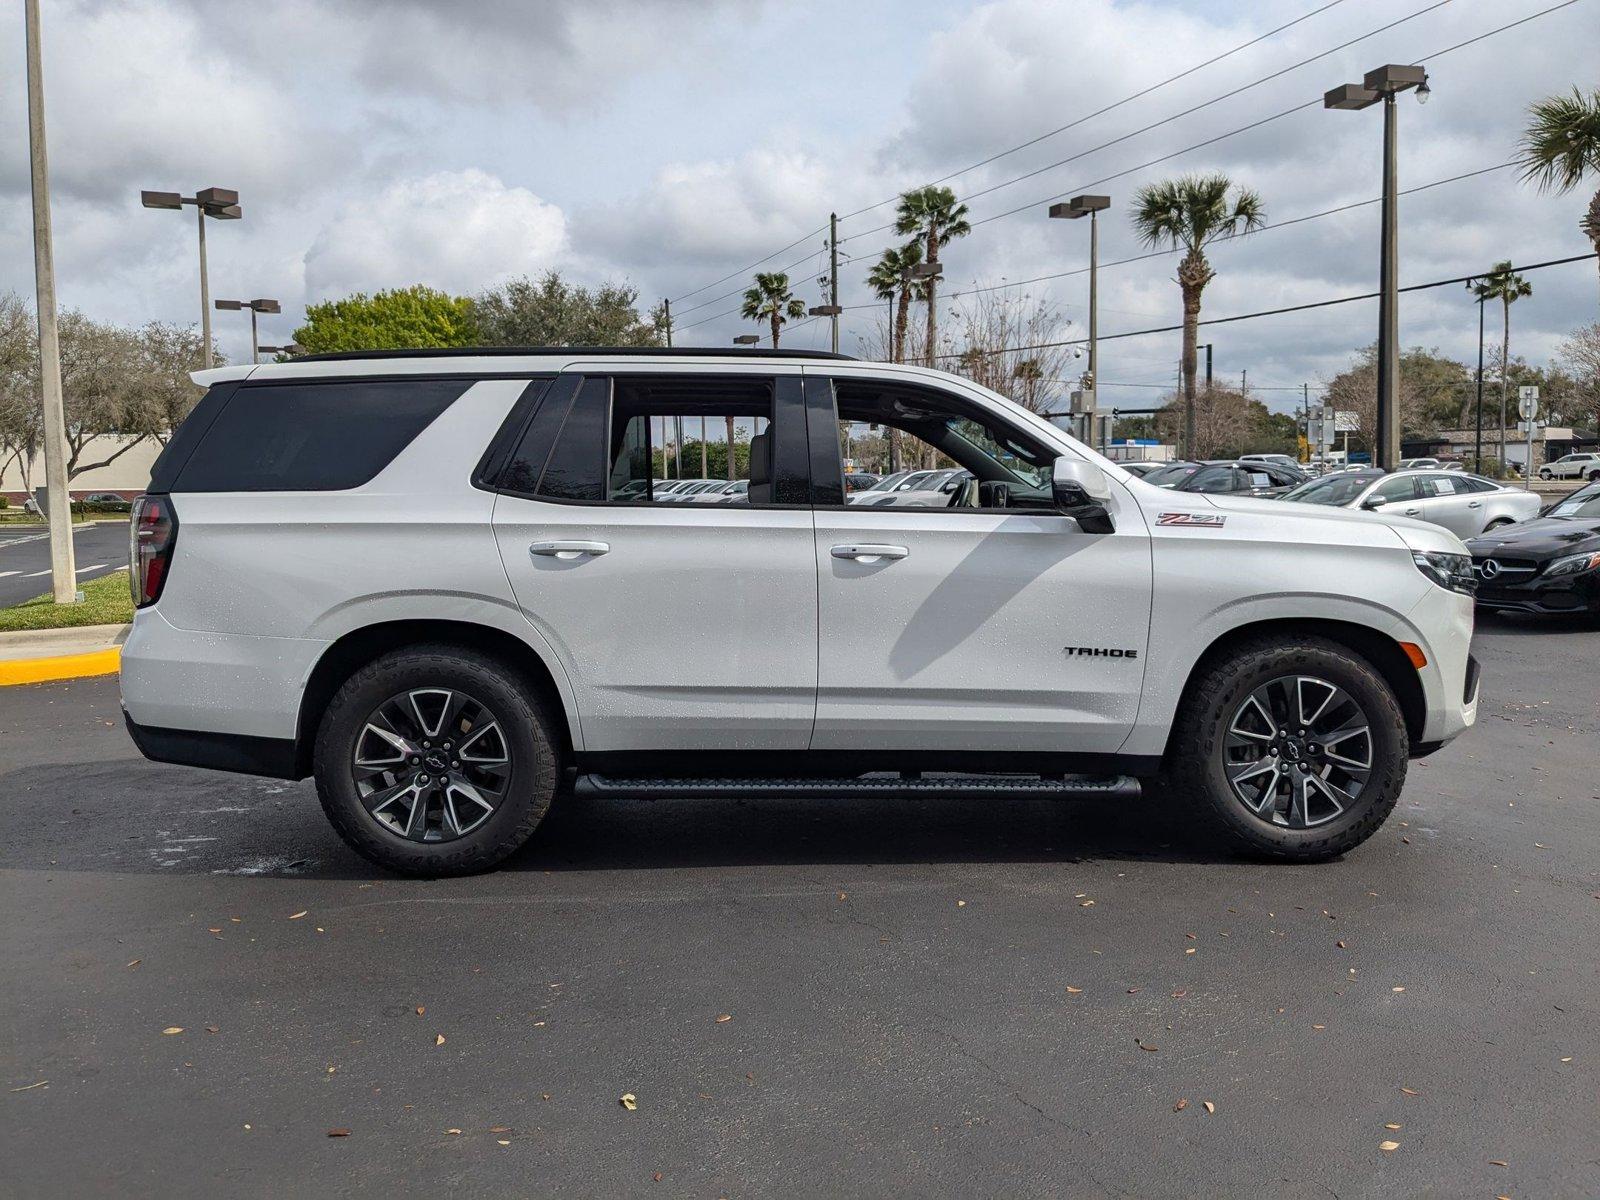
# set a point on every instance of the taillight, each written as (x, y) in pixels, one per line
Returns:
(154, 531)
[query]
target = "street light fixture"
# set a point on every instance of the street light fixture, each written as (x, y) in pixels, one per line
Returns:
(291, 349)
(1089, 206)
(221, 204)
(747, 339)
(1385, 83)
(255, 306)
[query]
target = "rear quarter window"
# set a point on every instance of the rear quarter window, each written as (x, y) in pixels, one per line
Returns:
(312, 436)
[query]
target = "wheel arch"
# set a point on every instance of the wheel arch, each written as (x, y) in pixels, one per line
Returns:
(353, 650)
(1376, 647)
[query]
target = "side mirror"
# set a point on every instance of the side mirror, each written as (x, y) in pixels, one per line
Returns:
(1081, 491)
(1372, 502)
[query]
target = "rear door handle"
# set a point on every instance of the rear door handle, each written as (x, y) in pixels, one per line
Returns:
(1475, 504)
(568, 550)
(1411, 512)
(869, 553)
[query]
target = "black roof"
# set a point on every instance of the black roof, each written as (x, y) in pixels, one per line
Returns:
(623, 351)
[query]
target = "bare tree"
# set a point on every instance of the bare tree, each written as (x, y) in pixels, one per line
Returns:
(1580, 357)
(1010, 343)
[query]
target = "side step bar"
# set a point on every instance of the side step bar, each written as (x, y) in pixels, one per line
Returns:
(1002, 787)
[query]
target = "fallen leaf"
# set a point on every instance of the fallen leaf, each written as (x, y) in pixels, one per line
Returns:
(136, 962)
(215, 929)
(213, 1029)
(1498, 1162)
(1086, 904)
(338, 1132)
(961, 903)
(1146, 1046)
(1397, 989)
(1209, 1107)
(1132, 991)
(171, 1029)
(629, 1101)
(503, 1141)
(1340, 945)
(656, 1177)
(420, 1010)
(1190, 950)
(1388, 1146)
(1394, 1125)
(296, 917)
(499, 1129)
(1072, 991)
(453, 1132)
(438, 1039)
(841, 895)
(1180, 993)
(31, 1086)
(1409, 1092)
(721, 1017)
(1319, 1027)
(1180, 1106)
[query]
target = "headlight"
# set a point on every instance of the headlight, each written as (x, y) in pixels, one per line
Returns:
(1572, 564)
(1453, 571)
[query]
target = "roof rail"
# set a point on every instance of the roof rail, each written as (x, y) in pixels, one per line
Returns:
(756, 352)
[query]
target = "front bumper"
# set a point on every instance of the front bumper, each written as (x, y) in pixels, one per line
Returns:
(1552, 597)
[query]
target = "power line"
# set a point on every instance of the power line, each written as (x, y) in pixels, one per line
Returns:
(1273, 312)
(1099, 112)
(1228, 95)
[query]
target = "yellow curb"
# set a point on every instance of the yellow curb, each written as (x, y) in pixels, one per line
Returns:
(62, 666)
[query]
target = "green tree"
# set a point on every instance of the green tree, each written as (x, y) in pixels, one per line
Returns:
(1502, 285)
(413, 318)
(1560, 148)
(888, 281)
(931, 214)
(549, 311)
(1189, 213)
(771, 300)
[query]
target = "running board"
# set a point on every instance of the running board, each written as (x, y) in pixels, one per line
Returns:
(894, 787)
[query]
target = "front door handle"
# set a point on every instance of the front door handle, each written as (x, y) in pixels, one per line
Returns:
(869, 553)
(568, 550)
(1411, 512)
(1475, 504)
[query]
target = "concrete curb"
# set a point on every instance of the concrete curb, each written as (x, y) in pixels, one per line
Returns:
(45, 655)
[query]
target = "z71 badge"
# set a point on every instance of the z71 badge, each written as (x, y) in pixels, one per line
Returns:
(1207, 520)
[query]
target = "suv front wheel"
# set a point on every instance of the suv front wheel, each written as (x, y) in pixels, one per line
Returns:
(435, 760)
(1292, 748)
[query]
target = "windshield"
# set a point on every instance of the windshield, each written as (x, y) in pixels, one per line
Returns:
(1330, 489)
(1167, 476)
(887, 482)
(1578, 507)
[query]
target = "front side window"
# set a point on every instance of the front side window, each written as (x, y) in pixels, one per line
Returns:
(958, 455)
(1397, 489)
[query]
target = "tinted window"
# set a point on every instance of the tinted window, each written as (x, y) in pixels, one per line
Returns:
(575, 468)
(1397, 489)
(310, 437)
(1216, 479)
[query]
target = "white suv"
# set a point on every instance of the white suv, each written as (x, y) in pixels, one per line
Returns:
(1572, 466)
(440, 583)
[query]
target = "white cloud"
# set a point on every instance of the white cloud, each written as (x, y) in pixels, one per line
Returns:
(456, 230)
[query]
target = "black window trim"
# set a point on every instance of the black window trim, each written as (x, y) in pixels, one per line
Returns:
(793, 446)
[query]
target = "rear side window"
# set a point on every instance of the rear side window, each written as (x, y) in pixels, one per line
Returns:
(314, 436)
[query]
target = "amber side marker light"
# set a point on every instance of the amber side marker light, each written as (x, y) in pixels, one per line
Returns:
(1415, 654)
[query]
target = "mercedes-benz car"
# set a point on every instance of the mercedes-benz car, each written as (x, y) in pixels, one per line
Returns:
(1548, 565)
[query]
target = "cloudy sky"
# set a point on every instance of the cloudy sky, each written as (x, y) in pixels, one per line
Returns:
(669, 143)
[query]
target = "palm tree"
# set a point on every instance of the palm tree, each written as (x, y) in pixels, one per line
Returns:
(932, 214)
(888, 281)
(1560, 146)
(771, 300)
(1190, 213)
(1500, 284)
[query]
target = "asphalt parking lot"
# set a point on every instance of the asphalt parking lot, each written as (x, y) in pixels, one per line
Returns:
(101, 547)
(201, 984)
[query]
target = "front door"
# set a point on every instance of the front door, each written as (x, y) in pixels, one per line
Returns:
(679, 626)
(991, 623)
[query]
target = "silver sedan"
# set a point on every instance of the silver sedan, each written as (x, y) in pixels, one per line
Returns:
(1464, 504)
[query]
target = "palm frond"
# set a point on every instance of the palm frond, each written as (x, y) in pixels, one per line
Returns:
(1561, 143)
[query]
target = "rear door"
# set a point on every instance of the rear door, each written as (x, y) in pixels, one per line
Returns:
(680, 626)
(1451, 502)
(990, 623)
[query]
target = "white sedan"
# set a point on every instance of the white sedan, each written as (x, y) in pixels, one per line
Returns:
(1464, 504)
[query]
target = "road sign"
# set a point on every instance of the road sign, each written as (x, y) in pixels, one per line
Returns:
(1527, 402)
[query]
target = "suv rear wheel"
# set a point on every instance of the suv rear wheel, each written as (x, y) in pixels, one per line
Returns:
(1293, 749)
(435, 760)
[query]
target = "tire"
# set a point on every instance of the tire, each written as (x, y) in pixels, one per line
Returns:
(1544, 473)
(1201, 746)
(1594, 476)
(466, 825)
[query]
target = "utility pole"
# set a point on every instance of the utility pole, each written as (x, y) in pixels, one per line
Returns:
(666, 309)
(58, 501)
(1477, 436)
(1244, 383)
(833, 275)
(1208, 366)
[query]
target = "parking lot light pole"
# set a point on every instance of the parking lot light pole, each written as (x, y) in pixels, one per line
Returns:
(1089, 206)
(58, 500)
(1477, 435)
(255, 306)
(219, 203)
(1385, 83)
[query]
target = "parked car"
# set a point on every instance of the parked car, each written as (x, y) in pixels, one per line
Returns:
(1466, 505)
(1231, 476)
(1572, 466)
(1063, 630)
(1282, 460)
(108, 502)
(713, 494)
(1419, 464)
(900, 480)
(1141, 468)
(859, 481)
(1547, 565)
